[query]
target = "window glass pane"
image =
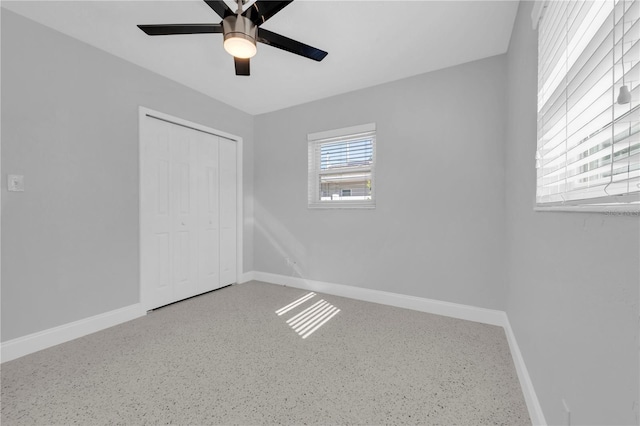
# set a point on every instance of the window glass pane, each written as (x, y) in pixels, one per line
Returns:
(341, 167)
(346, 154)
(345, 186)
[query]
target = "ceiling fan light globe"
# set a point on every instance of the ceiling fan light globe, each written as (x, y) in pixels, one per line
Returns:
(239, 36)
(240, 47)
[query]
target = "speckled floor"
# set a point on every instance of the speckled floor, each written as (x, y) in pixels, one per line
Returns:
(227, 358)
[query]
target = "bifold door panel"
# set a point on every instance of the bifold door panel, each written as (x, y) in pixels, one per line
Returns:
(227, 215)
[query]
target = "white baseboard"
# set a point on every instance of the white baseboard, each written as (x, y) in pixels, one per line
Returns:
(21, 346)
(453, 310)
(246, 277)
(533, 405)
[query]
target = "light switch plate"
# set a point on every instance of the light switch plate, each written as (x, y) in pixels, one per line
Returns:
(15, 182)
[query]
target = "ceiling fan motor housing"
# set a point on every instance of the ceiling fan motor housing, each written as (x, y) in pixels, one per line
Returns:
(238, 26)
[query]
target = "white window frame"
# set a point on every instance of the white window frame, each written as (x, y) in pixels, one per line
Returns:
(331, 136)
(626, 202)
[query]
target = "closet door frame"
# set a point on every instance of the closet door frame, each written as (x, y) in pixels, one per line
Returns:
(143, 113)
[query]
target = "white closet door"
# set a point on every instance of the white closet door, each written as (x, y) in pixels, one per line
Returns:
(156, 213)
(188, 212)
(184, 193)
(208, 213)
(227, 212)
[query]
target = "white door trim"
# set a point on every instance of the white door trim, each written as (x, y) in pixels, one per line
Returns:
(144, 112)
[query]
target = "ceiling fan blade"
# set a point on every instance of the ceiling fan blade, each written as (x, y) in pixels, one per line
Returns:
(260, 11)
(290, 45)
(220, 8)
(242, 66)
(154, 30)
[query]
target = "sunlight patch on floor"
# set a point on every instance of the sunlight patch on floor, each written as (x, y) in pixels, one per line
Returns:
(294, 304)
(306, 322)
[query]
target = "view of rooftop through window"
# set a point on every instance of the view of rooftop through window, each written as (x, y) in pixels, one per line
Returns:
(346, 167)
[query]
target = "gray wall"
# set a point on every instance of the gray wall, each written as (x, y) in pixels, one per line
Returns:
(438, 228)
(573, 277)
(70, 125)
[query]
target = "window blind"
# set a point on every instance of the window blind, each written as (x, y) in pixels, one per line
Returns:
(588, 150)
(341, 167)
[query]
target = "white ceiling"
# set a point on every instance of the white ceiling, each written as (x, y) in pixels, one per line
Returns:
(369, 43)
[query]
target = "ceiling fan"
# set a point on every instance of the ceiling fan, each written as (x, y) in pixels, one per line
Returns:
(241, 31)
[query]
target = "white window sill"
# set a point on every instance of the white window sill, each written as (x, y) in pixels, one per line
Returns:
(612, 210)
(339, 205)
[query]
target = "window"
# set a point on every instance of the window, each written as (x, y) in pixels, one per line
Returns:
(588, 151)
(341, 167)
